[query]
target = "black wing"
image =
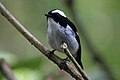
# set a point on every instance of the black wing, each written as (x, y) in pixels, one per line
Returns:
(78, 58)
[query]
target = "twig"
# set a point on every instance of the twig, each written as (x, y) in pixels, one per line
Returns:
(6, 70)
(67, 52)
(57, 60)
(94, 52)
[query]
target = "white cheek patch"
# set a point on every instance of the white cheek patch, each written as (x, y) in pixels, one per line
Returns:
(60, 12)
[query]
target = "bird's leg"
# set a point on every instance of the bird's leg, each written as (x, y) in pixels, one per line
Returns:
(66, 59)
(51, 52)
(64, 62)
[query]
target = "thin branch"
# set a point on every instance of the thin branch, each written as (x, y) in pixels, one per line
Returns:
(67, 52)
(6, 70)
(94, 52)
(57, 60)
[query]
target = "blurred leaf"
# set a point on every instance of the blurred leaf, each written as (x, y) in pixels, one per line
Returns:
(33, 63)
(8, 57)
(27, 74)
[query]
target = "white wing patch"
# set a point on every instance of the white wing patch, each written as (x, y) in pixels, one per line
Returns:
(60, 12)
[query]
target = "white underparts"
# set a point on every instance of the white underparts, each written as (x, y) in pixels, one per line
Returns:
(57, 35)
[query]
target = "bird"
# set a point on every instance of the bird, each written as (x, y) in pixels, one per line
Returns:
(61, 30)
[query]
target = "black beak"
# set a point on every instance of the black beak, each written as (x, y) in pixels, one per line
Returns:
(48, 15)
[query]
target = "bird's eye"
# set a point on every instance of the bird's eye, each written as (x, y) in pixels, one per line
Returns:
(57, 14)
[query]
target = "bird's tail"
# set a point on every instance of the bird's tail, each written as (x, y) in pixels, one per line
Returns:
(78, 58)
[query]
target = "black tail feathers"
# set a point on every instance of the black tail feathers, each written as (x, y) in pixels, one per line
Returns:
(78, 58)
(79, 62)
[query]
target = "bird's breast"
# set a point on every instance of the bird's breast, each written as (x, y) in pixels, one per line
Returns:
(58, 34)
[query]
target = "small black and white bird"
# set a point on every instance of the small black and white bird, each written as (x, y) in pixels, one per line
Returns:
(62, 30)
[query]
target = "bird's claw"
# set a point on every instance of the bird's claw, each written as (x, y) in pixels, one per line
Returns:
(66, 59)
(64, 62)
(51, 52)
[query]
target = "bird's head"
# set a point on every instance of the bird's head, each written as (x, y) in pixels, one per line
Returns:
(57, 16)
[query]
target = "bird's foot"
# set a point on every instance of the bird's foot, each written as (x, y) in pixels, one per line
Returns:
(51, 52)
(66, 59)
(64, 62)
